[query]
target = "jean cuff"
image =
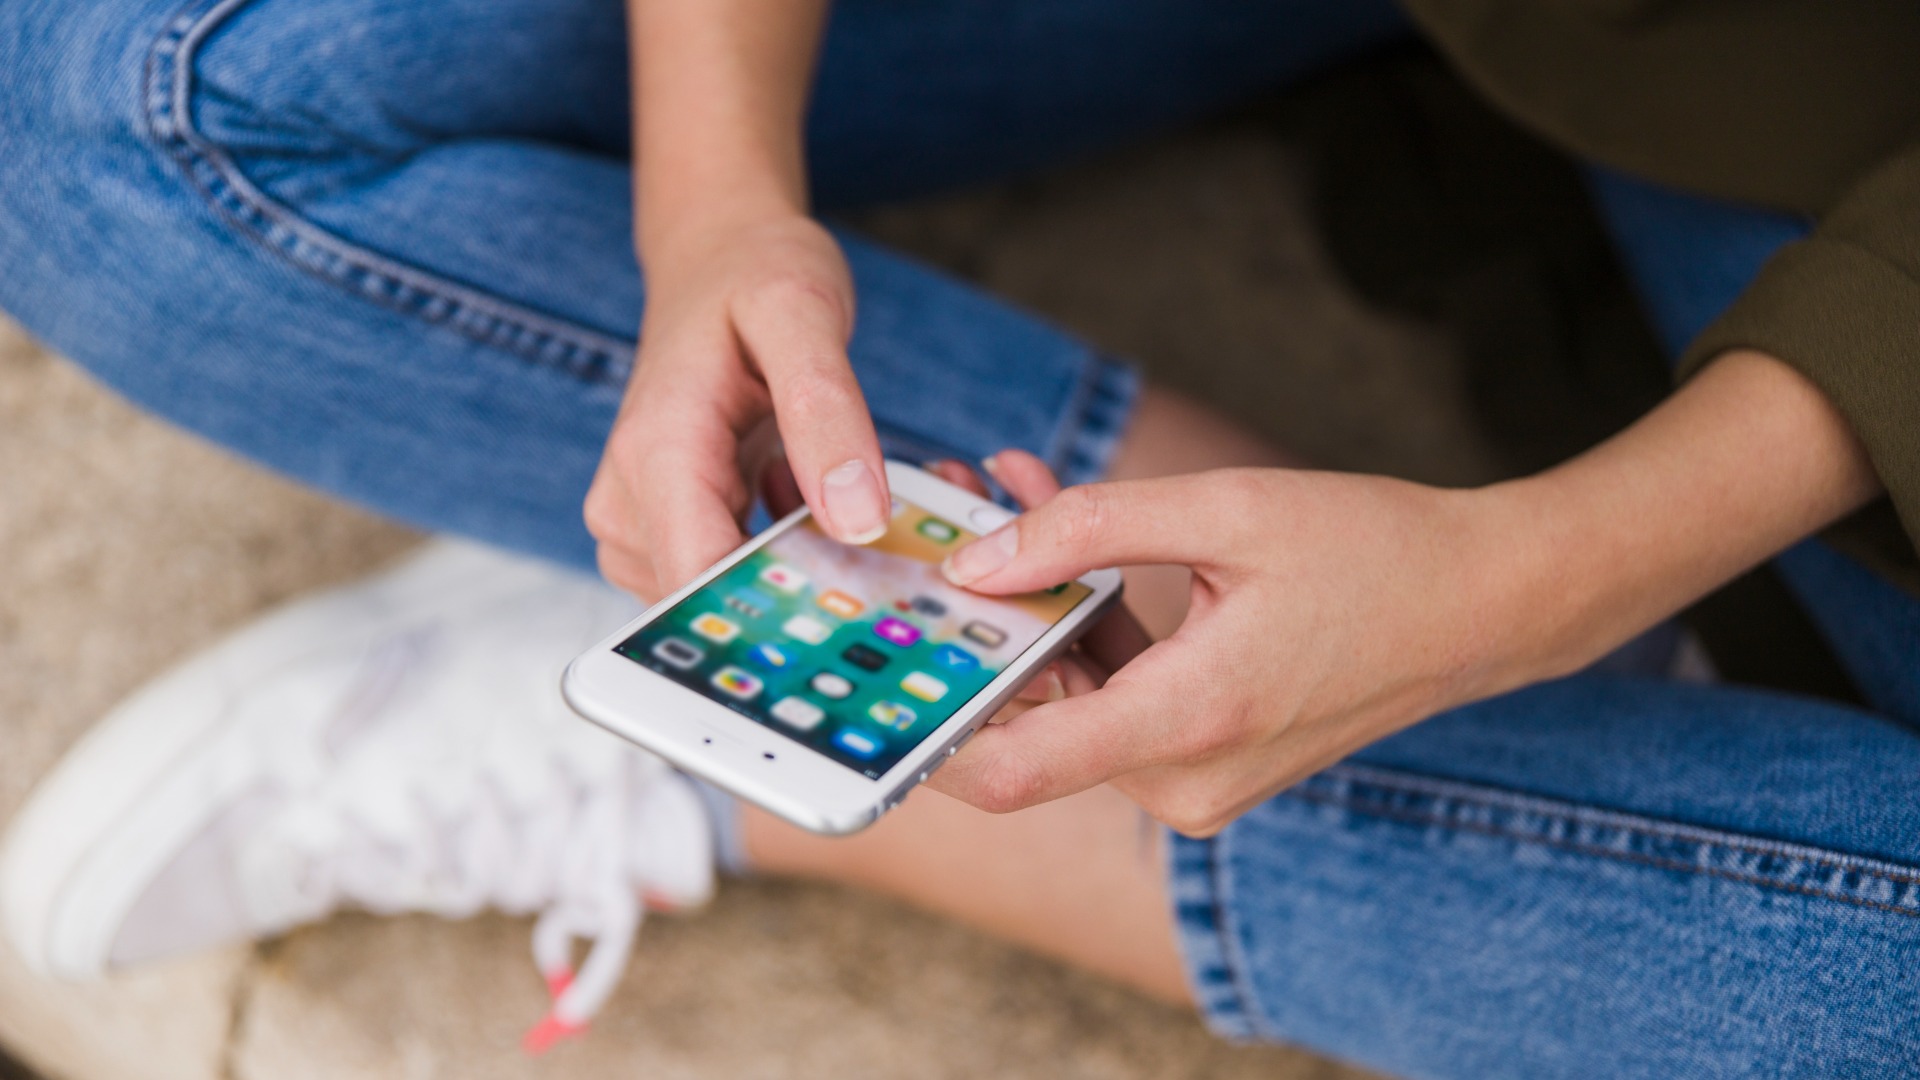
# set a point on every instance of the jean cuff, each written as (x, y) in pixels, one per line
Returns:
(1201, 894)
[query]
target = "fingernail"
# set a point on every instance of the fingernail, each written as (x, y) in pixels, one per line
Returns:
(983, 556)
(991, 463)
(1055, 687)
(855, 510)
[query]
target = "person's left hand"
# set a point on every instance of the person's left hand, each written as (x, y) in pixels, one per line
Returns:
(1328, 611)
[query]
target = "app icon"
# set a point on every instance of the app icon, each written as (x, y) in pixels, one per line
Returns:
(769, 656)
(830, 686)
(783, 579)
(1058, 589)
(681, 654)
(985, 634)
(857, 743)
(900, 633)
(937, 531)
(928, 606)
(955, 658)
(750, 602)
(736, 682)
(716, 628)
(808, 629)
(924, 686)
(891, 714)
(795, 712)
(862, 657)
(839, 603)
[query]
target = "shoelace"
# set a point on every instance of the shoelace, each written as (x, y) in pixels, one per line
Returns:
(544, 825)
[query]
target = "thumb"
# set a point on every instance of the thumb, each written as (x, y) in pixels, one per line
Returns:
(798, 337)
(1124, 523)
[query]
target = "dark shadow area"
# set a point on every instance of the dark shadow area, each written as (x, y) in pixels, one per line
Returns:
(12, 1070)
(1433, 205)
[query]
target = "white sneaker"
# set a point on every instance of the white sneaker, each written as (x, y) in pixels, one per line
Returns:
(396, 745)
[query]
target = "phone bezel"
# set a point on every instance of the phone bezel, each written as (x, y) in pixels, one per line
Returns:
(763, 766)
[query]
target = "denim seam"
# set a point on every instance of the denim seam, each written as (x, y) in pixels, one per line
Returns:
(1232, 944)
(1449, 797)
(580, 351)
(1094, 420)
(1201, 909)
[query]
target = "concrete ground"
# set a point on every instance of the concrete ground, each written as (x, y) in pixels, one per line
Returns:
(127, 545)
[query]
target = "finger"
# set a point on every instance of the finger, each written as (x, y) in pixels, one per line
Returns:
(1125, 523)
(628, 572)
(1069, 676)
(777, 488)
(1054, 750)
(797, 335)
(693, 521)
(1026, 477)
(959, 475)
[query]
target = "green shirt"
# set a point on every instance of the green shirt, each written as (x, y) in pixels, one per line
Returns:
(1809, 106)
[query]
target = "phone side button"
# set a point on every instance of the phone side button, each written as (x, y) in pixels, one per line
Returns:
(961, 741)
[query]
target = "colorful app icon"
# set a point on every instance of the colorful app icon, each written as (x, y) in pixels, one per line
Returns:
(839, 603)
(858, 743)
(680, 654)
(985, 634)
(783, 579)
(799, 713)
(716, 628)
(808, 629)
(750, 602)
(891, 714)
(864, 658)
(896, 631)
(830, 686)
(928, 606)
(736, 682)
(937, 531)
(769, 656)
(955, 658)
(924, 686)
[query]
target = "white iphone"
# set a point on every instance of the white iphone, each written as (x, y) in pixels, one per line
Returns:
(821, 680)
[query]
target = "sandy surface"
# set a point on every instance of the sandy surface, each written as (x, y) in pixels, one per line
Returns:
(126, 545)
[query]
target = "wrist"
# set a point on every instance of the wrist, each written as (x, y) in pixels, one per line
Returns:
(1536, 589)
(673, 231)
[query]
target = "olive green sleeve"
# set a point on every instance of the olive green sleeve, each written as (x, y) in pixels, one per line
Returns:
(1843, 307)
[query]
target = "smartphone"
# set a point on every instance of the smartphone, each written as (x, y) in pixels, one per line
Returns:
(822, 680)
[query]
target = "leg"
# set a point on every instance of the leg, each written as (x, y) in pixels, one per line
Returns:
(392, 271)
(1081, 880)
(1595, 877)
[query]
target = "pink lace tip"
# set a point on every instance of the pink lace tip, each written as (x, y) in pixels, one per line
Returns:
(545, 1034)
(558, 982)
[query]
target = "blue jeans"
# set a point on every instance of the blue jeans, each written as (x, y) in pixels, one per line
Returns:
(383, 247)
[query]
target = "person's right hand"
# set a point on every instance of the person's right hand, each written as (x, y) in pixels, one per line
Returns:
(744, 323)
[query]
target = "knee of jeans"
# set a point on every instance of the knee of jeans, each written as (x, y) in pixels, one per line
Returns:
(312, 98)
(290, 93)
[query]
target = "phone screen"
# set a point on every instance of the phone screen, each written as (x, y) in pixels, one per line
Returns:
(857, 652)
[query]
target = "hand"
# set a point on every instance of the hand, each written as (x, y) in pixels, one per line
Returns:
(1327, 611)
(1117, 638)
(745, 323)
